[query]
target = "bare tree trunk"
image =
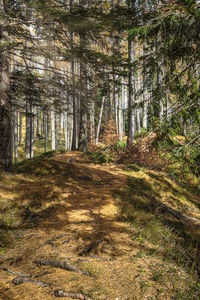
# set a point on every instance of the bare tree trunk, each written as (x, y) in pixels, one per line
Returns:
(41, 123)
(92, 122)
(31, 131)
(53, 141)
(20, 128)
(16, 135)
(120, 116)
(60, 129)
(56, 131)
(74, 100)
(45, 131)
(145, 114)
(82, 145)
(48, 127)
(37, 125)
(100, 118)
(28, 133)
(66, 129)
(5, 107)
(131, 112)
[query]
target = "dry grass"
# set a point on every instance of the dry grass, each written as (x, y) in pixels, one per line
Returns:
(141, 251)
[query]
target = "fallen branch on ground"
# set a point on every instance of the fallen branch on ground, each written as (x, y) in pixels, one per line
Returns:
(42, 274)
(62, 265)
(12, 272)
(62, 294)
(20, 280)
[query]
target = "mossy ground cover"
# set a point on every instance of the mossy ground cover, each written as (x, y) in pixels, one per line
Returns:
(140, 226)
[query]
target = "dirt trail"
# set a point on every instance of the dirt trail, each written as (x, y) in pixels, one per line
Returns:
(77, 221)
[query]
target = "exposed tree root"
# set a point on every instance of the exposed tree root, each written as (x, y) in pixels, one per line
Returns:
(42, 274)
(178, 214)
(62, 265)
(62, 294)
(19, 280)
(51, 241)
(89, 248)
(100, 258)
(12, 272)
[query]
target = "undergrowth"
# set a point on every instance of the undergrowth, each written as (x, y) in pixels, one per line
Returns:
(160, 235)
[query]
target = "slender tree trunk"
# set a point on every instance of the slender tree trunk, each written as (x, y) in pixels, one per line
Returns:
(16, 135)
(28, 132)
(60, 129)
(120, 117)
(100, 118)
(31, 131)
(45, 131)
(20, 128)
(74, 126)
(83, 114)
(37, 125)
(53, 141)
(41, 123)
(74, 135)
(66, 129)
(56, 132)
(92, 122)
(131, 112)
(48, 127)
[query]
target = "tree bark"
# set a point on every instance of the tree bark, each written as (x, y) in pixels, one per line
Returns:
(5, 106)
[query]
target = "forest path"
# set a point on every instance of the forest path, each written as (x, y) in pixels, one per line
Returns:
(74, 205)
(72, 213)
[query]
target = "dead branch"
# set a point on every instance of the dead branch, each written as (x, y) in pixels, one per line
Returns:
(12, 272)
(62, 294)
(20, 280)
(42, 274)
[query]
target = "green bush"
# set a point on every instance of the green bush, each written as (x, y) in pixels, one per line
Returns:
(120, 145)
(101, 157)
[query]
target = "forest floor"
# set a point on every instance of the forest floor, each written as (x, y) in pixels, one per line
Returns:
(124, 231)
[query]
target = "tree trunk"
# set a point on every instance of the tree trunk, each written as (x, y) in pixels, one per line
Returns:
(82, 145)
(60, 129)
(131, 112)
(20, 128)
(53, 141)
(100, 118)
(66, 129)
(5, 107)
(92, 123)
(31, 131)
(45, 131)
(16, 135)
(56, 132)
(120, 116)
(28, 132)
(37, 125)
